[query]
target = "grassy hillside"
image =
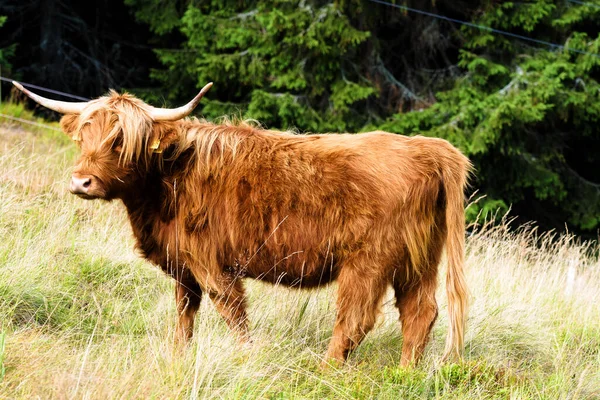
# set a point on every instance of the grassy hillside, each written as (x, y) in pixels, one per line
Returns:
(81, 316)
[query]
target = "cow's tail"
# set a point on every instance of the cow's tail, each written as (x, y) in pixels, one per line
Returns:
(455, 180)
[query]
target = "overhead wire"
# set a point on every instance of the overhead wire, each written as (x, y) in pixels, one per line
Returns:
(583, 3)
(45, 89)
(486, 28)
(25, 121)
(399, 6)
(38, 124)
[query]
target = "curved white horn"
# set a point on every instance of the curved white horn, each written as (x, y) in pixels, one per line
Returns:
(63, 107)
(173, 114)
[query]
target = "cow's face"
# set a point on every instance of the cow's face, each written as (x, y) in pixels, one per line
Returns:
(101, 171)
(117, 134)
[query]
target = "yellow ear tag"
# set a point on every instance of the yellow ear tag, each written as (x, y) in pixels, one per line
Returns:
(155, 146)
(77, 136)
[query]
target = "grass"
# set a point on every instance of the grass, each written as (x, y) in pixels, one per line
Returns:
(81, 316)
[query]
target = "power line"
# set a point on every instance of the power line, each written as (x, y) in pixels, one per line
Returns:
(486, 28)
(25, 121)
(417, 11)
(31, 85)
(583, 3)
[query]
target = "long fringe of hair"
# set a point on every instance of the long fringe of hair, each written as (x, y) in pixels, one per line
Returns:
(127, 120)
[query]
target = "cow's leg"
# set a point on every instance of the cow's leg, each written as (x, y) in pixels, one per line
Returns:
(359, 298)
(416, 299)
(418, 312)
(187, 297)
(230, 302)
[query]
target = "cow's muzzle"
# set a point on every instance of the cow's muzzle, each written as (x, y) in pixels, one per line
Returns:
(80, 185)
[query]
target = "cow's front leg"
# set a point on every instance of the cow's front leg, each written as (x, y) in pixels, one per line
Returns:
(230, 301)
(187, 297)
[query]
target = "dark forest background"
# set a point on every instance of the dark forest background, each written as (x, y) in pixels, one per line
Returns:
(526, 114)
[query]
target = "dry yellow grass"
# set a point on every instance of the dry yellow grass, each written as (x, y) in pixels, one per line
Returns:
(81, 316)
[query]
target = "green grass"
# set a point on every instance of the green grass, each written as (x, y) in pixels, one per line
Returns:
(81, 316)
(2, 370)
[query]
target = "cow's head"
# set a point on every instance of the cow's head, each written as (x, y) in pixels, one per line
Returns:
(116, 135)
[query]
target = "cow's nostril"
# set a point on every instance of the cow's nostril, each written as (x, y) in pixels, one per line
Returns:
(80, 185)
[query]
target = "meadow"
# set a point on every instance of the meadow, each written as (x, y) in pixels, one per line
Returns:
(82, 316)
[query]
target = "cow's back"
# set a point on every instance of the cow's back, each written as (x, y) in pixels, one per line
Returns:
(297, 206)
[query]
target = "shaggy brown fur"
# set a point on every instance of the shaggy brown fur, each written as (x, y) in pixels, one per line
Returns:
(214, 203)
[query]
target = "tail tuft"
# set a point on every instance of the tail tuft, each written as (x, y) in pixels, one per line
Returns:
(455, 181)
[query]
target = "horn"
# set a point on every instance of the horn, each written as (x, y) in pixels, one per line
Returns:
(63, 107)
(173, 114)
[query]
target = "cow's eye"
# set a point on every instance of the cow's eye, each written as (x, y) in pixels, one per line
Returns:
(117, 145)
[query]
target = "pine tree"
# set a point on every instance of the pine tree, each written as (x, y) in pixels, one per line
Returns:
(6, 52)
(310, 65)
(527, 115)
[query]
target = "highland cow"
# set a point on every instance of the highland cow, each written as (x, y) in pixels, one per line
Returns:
(214, 204)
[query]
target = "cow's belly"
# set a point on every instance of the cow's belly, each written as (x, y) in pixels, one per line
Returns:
(296, 269)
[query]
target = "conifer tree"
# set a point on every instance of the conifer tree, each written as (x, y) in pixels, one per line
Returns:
(525, 113)
(6, 52)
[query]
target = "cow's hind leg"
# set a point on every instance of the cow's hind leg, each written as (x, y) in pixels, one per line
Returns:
(230, 302)
(418, 312)
(416, 300)
(187, 297)
(359, 298)
(415, 294)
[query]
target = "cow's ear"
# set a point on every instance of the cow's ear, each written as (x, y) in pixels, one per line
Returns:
(69, 124)
(163, 136)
